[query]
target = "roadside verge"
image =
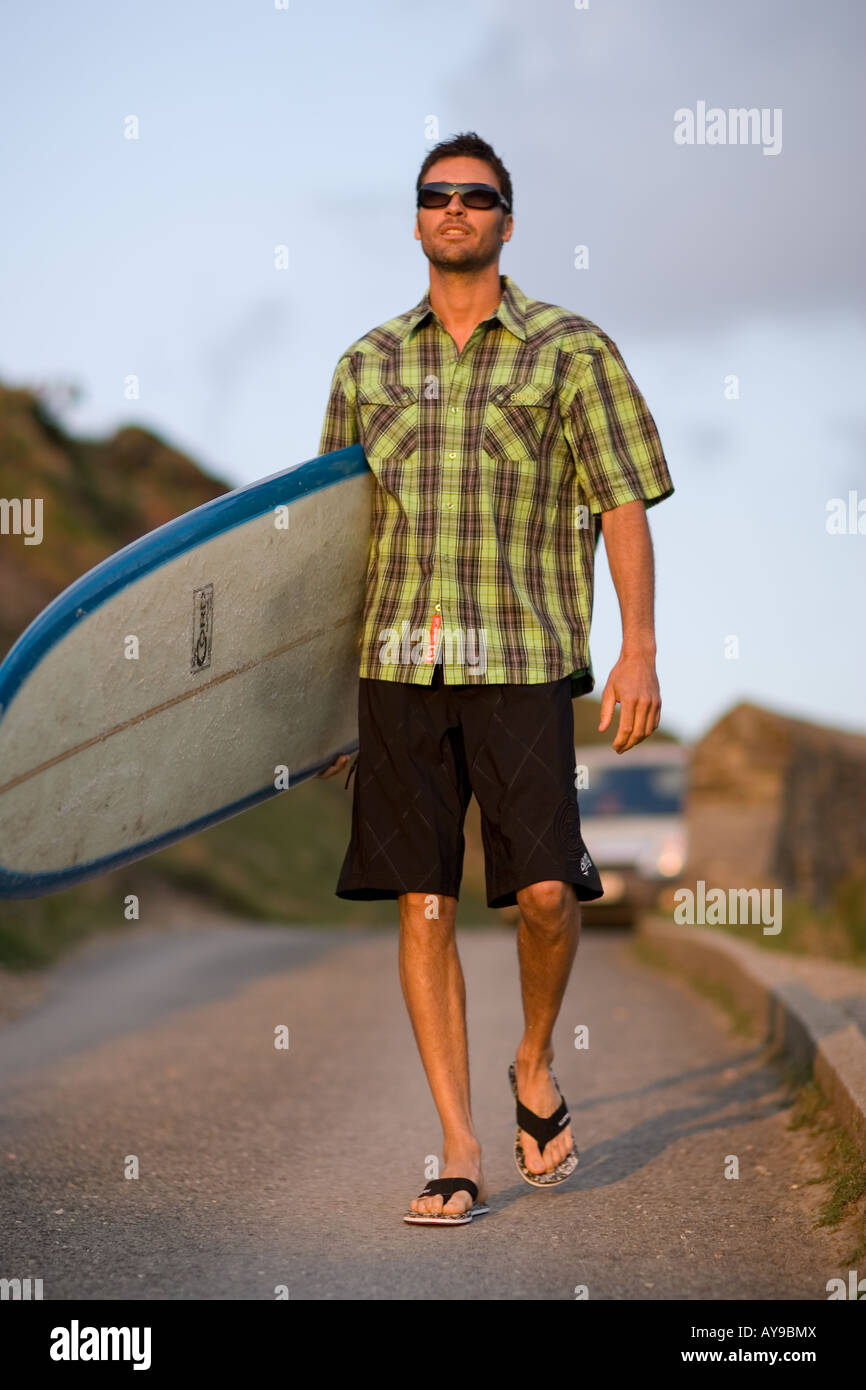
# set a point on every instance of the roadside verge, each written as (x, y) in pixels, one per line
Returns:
(814, 1010)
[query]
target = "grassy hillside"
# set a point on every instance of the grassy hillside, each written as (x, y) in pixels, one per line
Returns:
(97, 496)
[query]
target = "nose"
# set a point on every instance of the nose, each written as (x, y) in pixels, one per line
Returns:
(450, 205)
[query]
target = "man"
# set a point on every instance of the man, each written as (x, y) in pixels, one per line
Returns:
(505, 435)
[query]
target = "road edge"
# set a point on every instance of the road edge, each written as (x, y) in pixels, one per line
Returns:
(808, 1029)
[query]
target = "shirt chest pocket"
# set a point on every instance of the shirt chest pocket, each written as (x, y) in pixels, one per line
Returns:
(522, 420)
(388, 418)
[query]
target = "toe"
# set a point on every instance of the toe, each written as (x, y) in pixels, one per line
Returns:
(531, 1157)
(560, 1148)
(555, 1152)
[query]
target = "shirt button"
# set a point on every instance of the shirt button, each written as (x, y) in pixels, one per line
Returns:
(454, 409)
(452, 456)
(438, 608)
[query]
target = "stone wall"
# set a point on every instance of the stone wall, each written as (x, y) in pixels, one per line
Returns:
(775, 801)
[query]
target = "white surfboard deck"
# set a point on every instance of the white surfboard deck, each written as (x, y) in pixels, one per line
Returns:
(247, 636)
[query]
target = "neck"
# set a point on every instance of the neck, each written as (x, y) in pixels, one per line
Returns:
(463, 300)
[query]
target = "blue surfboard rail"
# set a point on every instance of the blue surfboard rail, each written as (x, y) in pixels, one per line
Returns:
(18, 885)
(116, 573)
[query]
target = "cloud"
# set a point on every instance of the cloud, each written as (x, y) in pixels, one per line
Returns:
(580, 105)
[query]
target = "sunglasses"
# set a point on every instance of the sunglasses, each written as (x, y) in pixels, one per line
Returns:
(472, 195)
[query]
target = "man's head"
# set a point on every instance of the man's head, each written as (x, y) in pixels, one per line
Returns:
(456, 237)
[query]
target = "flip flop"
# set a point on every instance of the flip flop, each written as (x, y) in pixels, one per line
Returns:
(446, 1187)
(543, 1128)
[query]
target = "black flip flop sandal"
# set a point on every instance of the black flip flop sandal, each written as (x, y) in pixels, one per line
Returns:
(543, 1128)
(446, 1187)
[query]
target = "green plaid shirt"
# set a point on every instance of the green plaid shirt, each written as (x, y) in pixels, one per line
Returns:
(493, 468)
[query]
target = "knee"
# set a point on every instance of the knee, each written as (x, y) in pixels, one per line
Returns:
(544, 904)
(421, 910)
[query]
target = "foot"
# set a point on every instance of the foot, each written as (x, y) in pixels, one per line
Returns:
(538, 1093)
(460, 1163)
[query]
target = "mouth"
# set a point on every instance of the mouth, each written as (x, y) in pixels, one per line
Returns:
(454, 231)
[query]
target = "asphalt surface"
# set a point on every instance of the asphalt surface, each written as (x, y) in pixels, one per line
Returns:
(261, 1168)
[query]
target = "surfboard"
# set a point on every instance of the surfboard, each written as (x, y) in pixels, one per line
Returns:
(202, 669)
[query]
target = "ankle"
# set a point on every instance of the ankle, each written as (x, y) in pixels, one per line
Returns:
(461, 1147)
(531, 1059)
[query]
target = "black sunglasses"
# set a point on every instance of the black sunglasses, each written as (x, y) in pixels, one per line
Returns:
(472, 195)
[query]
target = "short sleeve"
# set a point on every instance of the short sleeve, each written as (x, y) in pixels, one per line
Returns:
(340, 428)
(612, 435)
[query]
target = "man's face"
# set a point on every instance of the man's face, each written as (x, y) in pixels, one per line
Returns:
(459, 238)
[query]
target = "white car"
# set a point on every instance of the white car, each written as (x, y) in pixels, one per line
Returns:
(632, 821)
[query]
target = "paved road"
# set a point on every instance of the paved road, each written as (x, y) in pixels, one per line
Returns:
(261, 1167)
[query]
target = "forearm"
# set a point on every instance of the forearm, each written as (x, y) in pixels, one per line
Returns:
(628, 545)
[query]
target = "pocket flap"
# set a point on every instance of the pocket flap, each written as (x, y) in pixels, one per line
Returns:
(524, 393)
(387, 393)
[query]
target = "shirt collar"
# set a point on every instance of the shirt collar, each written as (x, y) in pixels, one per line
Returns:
(511, 311)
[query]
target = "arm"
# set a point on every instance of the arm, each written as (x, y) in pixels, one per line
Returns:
(623, 471)
(633, 682)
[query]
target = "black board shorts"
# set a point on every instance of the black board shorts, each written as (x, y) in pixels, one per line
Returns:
(424, 750)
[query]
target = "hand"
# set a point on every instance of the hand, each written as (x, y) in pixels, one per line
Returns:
(335, 767)
(632, 684)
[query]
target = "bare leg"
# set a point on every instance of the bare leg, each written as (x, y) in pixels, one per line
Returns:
(547, 940)
(435, 995)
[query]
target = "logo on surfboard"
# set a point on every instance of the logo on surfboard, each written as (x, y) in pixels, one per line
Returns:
(202, 628)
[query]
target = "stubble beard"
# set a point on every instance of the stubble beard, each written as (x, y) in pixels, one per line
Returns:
(471, 258)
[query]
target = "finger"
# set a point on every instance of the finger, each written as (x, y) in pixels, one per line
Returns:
(638, 731)
(651, 721)
(608, 705)
(652, 718)
(642, 722)
(626, 724)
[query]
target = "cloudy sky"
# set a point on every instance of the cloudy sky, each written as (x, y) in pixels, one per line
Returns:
(303, 125)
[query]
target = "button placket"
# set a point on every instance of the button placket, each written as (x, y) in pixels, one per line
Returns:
(449, 486)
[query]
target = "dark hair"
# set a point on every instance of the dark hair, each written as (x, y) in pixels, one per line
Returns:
(472, 145)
